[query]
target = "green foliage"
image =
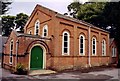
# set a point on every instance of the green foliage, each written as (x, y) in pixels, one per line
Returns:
(90, 12)
(73, 8)
(101, 14)
(21, 20)
(7, 24)
(13, 22)
(5, 6)
(21, 69)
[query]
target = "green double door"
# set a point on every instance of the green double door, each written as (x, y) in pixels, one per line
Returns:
(36, 60)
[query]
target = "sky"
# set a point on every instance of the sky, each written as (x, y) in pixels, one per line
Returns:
(27, 6)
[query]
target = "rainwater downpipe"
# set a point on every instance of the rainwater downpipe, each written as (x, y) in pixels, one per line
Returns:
(17, 43)
(89, 46)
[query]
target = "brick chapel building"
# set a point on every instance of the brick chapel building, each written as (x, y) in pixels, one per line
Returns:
(55, 41)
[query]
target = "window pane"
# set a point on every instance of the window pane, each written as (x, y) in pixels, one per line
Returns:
(93, 51)
(65, 34)
(93, 47)
(81, 45)
(45, 30)
(81, 50)
(65, 50)
(65, 38)
(81, 40)
(10, 59)
(11, 46)
(65, 44)
(45, 34)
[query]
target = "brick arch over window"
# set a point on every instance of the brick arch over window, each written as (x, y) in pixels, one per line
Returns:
(67, 30)
(94, 36)
(38, 42)
(82, 34)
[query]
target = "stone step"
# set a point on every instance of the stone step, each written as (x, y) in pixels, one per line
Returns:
(38, 72)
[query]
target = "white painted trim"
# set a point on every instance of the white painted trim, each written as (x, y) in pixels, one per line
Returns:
(30, 31)
(68, 43)
(45, 27)
(114, 51)
(12, 52)
(95, 46)
(44, 55)
(16, 52)
(89, 47)
(104, 45)
(38, 27)
(83, 44)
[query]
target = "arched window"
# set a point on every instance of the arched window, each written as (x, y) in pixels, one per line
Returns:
(103, 47)
(114, 51)
(37, 25)
(82, 45)
(30, 32)
(93, 46)
(11, 51)
(65, 43)
(45, 31)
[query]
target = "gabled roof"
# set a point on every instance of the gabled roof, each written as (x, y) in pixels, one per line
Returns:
(65, 17)
(35, 9)
(79, 21)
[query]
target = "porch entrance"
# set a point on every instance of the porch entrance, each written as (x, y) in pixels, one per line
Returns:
(36, 58)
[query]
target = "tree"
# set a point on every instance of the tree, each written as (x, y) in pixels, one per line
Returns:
(20, 21)
(90, 12)
(73, 8)
(7, 24)
(13, 22)
(111, 13)
(101, 15)
(5, 6)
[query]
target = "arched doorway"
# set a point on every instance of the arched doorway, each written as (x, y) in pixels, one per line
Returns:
(36, 58)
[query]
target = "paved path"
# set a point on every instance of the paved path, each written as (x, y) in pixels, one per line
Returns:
(109, 74)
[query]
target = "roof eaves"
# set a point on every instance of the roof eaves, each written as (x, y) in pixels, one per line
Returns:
(79, 21)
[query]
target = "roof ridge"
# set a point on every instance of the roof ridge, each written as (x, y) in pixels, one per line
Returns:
(79, 21)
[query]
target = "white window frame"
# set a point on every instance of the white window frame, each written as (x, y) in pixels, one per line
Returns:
(30, 32)
(11, 55)
(68, 48)
(114, 50)
(103, 47)
(37, 23)
(45, 28)
(83, 45)
(95, 46)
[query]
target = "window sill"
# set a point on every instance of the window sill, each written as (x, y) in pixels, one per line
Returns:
(10, 63)
(82, 55)
(103, 55)
(113, 56)
(65, 54)
(93, 55)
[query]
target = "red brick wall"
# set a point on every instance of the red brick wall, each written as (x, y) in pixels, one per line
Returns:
(56, 26)
(113, 59)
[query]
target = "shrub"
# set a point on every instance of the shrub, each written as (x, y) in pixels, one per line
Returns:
(21, 69)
